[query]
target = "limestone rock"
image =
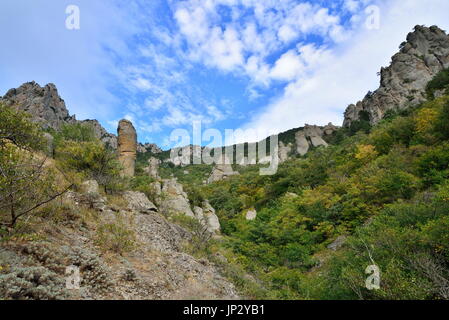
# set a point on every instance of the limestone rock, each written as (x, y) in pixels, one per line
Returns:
(107, 138)
(153, 167)
(148, 147)
(329, 129)
(174, 199)
(302, 145)
(221, 171)
(403, 83)
(139, 202)
(43, 104)
(338, 243)
(284, 151)
(127, 147)
(90, 187)
(251, 214)
(211, 219)
(206, 215)
(156, 190)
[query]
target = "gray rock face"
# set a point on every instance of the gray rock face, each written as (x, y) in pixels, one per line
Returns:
(403, 83)
(148, 147)
(174, 199)
(43, 104)
(338, 243)
(221, 171)
(47, 108)
(206, 215)
(127, 147)
(284, 151)
(153, 167)
(139, 202)
(90, 187)
(312, 136)
(100, 133)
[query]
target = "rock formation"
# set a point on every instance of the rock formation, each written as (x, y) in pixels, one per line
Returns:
(149, 147)
(43, 104)
(127, 147)
(312, 136)
(139, 202)
(46, 107)
(403, 83)
(153, 168)
(100, 133)
(174, 199)
(207, 216)
(221, 171)
(284, 151)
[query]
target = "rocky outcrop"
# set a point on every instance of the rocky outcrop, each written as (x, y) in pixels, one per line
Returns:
(153, 168)
(90, 187)
(221, 171)
(337, 243)
(312, 136)
(100, 133)
(174, 199)
(206, 215)
(149, 147)
(284, 151)
(43, 104)
(46, 107)
(403, 83)
(138, 201)
(127, 147)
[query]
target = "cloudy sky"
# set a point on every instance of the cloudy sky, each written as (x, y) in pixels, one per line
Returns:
(249, 64)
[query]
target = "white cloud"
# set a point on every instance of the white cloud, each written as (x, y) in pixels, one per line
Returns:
(287, 67)
(342, 76)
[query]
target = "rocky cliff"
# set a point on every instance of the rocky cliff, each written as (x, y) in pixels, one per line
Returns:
(403, 83)
(47, 108)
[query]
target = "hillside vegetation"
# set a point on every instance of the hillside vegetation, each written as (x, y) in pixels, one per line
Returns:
(383, 191)
(376, 196)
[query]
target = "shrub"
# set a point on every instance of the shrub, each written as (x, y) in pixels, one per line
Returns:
(37, 283)
(117, 237)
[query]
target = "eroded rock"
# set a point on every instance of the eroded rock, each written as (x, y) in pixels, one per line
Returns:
(127, 147)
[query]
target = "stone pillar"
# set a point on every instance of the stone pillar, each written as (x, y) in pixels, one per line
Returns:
(127, 147)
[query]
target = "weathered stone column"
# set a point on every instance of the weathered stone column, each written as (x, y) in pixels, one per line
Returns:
(127, 147)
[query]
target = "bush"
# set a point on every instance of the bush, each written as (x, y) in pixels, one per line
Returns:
(117, 237)
(36, 283)
(93, 161)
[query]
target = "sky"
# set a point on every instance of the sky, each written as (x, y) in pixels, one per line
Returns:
(260, 65)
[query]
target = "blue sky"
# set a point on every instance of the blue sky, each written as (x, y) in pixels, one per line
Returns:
(231, 64)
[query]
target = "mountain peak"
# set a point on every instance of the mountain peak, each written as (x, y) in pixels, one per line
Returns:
(403, 83)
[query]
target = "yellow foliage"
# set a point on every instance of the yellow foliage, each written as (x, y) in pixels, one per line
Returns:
(426, 119)
(366, 153)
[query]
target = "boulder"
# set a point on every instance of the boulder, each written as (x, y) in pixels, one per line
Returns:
(221, 171)
(127, 147)
(302, 145)
(210, 217)
(329, 129)
(251, 214)
(138, 201)
(284, 151)
(338, 243)
(174, 199)
(90, 187)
